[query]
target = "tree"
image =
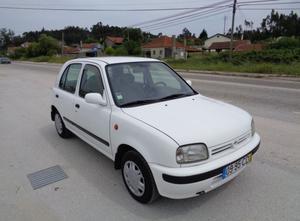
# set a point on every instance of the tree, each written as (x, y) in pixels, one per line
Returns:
(48, 45)
(185, 33)
(133, 34)
(203, 35)
(6, 37)
(133, 47)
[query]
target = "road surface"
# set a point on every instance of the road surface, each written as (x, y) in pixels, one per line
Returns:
(269, 189)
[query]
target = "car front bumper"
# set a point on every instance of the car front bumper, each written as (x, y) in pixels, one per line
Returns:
(185, 182)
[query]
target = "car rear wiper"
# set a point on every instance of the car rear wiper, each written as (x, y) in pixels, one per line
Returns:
(138, 102)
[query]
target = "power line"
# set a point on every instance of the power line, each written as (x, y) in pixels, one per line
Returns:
(176, 24)
(277, 3)
(185, 17)
(253, 9)
(180, 14)
(100, 10)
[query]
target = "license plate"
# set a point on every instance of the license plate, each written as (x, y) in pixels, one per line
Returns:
(236, 166)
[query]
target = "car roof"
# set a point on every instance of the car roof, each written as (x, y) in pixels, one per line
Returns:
(116, 59)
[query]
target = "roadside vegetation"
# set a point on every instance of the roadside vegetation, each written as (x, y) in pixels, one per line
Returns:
(279, 57)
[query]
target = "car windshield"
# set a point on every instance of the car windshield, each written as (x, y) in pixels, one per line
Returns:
(141, 83)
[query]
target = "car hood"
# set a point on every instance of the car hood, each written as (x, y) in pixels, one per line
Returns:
(194, 119)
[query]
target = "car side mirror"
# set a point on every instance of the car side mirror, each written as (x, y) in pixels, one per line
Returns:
(189, 82)
(95, 98)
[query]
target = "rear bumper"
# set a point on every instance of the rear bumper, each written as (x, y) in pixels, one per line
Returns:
(188, 182)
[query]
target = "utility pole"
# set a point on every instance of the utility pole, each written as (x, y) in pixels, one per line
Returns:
(224, 30)
(232, 29)
(62, 43)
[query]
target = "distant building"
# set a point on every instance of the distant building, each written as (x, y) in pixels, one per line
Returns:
(223, 46)
(249, 47)
(91, 49)
(85, 50)
(162, 47)
(214, 39)
(113, 41)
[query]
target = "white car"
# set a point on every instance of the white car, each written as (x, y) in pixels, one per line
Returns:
(166, 138)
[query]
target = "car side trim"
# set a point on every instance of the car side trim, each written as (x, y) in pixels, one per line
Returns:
(199, 177)
(87, 132)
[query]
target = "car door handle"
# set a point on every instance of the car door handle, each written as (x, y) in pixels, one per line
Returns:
(77, 105)
(57, 96)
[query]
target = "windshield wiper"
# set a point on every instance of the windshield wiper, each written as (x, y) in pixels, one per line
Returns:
(138, 102)
(173, 96)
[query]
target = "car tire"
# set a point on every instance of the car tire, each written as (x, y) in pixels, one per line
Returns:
(60, 126)
(138, 178)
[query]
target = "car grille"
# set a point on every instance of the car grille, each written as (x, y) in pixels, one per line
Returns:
(235, 143)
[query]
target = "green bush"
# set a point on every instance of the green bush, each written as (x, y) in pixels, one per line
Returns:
(109, 51)
(48, 45)
(119, 51)
(285, 43)
(33, 50)
(133, 47)
(19, 52)
(286, 56)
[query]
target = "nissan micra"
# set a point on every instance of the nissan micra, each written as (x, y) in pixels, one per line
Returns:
(166, 138)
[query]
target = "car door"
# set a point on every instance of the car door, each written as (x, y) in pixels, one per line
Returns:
(93, 120)
(64, 92)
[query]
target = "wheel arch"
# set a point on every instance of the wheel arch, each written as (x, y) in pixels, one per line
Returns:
(121, 151)
(53, 111)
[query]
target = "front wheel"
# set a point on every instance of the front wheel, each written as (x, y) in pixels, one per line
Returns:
(138, 178)
(60, 127)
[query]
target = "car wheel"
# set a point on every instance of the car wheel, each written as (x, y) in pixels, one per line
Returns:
(60, 127)
(138, 178)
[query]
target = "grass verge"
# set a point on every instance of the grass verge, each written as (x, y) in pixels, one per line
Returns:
(202, 63)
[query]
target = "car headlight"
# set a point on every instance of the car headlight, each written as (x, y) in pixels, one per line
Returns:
(191, 153)
(252, 128)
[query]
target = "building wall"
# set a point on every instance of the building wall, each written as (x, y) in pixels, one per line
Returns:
(161, 53)
(154, 52)
(217, 38)
(109, 43)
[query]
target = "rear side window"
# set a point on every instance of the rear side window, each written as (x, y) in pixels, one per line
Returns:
(69, 78)
(91, 81)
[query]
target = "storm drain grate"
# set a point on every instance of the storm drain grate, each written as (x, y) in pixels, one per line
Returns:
(46, 176)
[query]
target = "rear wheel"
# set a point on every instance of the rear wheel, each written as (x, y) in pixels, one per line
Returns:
(60, 127)
(138, 178)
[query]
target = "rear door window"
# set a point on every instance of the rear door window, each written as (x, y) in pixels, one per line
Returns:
(69, 78)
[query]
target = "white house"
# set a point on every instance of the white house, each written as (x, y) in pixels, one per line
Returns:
(215, 38)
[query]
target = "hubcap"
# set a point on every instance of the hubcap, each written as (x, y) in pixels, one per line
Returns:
(58, 124)
(134, 178)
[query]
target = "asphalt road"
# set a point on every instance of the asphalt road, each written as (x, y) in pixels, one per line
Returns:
(269, 189)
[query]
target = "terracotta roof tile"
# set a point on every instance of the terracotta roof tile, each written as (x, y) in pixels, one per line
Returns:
(162, 42)
(249, 47)
(116, 40)
(226, 44)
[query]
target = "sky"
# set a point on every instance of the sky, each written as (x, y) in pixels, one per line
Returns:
(28, 20)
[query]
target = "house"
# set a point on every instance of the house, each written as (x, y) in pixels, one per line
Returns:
(162, 47)
(214, 39)
(91, 49)
(113, 41)
(221, 46)
(71, 50)
(84, 50)
(249, 47)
